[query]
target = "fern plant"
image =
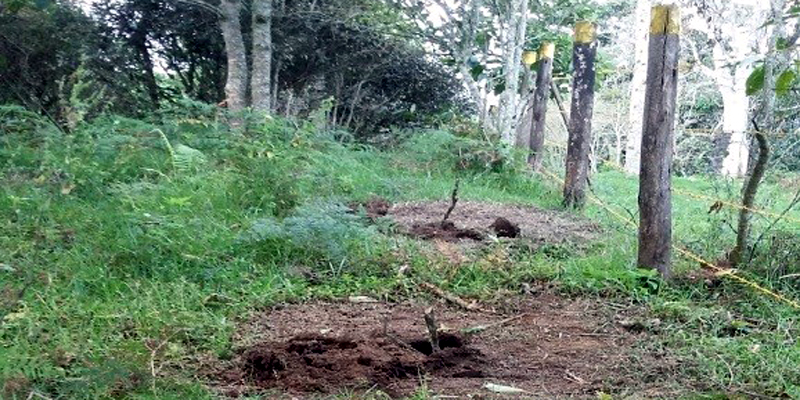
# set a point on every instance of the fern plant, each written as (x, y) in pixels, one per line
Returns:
(184, 158)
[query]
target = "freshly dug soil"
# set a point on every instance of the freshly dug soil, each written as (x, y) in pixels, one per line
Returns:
(319, 363)
(473, 220)
(374, 208)
(557, 348)
(446, 231)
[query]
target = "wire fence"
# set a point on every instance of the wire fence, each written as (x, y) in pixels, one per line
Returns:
(728, 273)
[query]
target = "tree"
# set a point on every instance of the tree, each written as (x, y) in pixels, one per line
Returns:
(236, 81)
(580, 127)
(41, 45)
(514, 41)
(768, 81)
(637, 88)
(731, 30)
(262, 55)
(655, 174)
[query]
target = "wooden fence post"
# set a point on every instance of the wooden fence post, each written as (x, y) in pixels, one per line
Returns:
(655, 191)
(580, 125)
(529, 57)
(543, 77)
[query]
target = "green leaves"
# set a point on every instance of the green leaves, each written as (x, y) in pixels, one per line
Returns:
(785, 82)
(476, 71)
(755, 82)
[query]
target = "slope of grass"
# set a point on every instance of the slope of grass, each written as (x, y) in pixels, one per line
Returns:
(129, 251)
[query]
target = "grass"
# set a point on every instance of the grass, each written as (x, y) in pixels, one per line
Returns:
(118, 255)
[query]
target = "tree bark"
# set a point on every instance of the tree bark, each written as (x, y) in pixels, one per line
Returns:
(524, 127)
(771, 64)
(580, 126)
(140, 43)
(749, 199)
(735, 108)
(655, 191)
(236, 81)
(637, 89)
(509, 100)
(543, 77)
(260, 83)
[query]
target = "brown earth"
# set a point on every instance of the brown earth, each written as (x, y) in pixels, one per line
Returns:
(534, 225)
(373, 208)
(447, 231)
(555, 348)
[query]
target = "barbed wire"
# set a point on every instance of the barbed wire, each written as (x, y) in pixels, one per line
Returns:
(723, 202)
(722, 272)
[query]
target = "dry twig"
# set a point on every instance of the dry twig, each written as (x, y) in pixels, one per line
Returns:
(481, 328)
(453, 201)
(433, 329)
(448, 296)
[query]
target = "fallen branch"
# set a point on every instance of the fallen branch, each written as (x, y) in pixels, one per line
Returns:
(453, 201)
(449, 296)
(575, 378)
(481, 328)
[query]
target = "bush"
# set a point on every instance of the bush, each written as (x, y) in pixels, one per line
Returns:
(447, 152)
(323, 234)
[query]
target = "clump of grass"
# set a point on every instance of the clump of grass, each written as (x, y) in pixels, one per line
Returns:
(121, 246)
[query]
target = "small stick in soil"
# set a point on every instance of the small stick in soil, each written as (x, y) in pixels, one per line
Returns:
(433, 329)
(481, 328)
(448, 296)
(453, 201)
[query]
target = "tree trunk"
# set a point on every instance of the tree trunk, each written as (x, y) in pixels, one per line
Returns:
(771, 64)
(636, 107)
(260, 84)
(580, 126)
(236, 81)
(524, 127)
(735, 106)
(509, 100)
(140, 43)
(540, 96)
(749, 199)
(655, 191)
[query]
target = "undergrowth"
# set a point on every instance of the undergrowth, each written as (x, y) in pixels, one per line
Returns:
(130, 249)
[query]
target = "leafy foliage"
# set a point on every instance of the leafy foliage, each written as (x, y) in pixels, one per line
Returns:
(41, 43)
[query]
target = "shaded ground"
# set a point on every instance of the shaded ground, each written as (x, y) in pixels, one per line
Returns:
(556, 348)
(536, 226)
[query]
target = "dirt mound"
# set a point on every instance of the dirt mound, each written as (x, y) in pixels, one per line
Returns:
(504, 228)
(554, 347)
(479, 219)
(447, 231)
(374, 208)
(318, 363)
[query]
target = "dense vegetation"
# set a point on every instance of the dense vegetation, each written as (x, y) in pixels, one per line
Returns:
(143, 220)
(126, 233)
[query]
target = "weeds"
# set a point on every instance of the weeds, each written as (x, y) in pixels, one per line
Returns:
(130, 249)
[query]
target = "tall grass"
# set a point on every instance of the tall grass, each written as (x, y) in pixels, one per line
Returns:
(127, 245)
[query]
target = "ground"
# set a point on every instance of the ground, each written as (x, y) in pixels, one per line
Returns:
(537, 226)
(537, 341)
(126, 277)
(542, 343)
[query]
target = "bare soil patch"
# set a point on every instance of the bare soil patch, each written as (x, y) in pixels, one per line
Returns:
(373, 208)
(556, 348)
(480, 219)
